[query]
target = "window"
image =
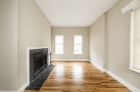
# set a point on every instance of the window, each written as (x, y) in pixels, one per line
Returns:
(135, 40)
(59, 44)
(78, 44)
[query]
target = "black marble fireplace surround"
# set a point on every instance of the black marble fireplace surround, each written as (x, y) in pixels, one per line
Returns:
(38, 62)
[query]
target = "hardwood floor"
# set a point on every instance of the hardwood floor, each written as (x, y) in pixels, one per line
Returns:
(80, 77)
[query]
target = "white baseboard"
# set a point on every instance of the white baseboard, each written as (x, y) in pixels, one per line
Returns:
(21, 89)
(129, 86)
(100, 68)
(70, 59)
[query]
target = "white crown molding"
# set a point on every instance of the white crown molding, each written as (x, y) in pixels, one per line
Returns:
(130, 6)
(100, 68)
(129, 86)
(70, 59)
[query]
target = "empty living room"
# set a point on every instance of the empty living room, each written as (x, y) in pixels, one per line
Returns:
(69, 46)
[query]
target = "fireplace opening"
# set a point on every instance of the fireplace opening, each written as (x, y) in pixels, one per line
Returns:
(38, 62)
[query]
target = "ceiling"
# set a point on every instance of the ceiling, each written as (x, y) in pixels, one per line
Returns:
(74, 13)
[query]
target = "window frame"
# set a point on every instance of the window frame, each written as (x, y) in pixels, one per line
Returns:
(59, 44)
(131, 41)
(78, 44)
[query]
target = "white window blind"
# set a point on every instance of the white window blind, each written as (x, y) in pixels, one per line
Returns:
(78, 44)
(135, 40)
(59, 44)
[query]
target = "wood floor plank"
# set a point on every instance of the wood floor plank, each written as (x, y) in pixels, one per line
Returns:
(70, 76)
(80, 77)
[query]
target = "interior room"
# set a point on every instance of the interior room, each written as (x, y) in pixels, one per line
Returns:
(75, 45)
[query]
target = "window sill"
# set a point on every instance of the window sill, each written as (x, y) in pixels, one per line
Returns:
(134, 70)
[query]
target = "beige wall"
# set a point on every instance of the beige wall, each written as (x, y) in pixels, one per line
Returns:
(34, 30)
(118, 39)
(97, 41)
(115, 42)
(68, 33)
(8, 44)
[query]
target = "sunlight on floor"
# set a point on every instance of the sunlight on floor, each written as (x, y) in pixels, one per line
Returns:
(78, 71)
(59, 69)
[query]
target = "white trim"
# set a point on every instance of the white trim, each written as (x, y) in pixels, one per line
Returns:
(129, 86)
(134, 70)
(131, 42)
(28, 59)
(21, 89)
(59, 44)
(70, 59)
(130, 6)
(100, 68)
(78, 44)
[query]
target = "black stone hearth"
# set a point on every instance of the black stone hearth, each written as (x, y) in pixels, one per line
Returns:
(40, 79)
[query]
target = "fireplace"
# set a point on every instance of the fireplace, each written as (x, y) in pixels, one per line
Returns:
(38, 62)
